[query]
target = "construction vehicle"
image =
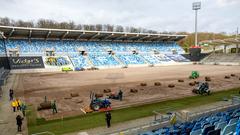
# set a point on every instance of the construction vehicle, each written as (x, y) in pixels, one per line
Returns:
(202, 88)
(194, 75)
(66, 69)
(98, 104)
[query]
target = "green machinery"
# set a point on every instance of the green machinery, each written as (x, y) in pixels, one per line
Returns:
(66, 69)
(194, 75)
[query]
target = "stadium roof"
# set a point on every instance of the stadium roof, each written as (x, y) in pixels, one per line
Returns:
(11, 32)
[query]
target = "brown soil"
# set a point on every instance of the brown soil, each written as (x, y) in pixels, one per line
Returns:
(59, 86)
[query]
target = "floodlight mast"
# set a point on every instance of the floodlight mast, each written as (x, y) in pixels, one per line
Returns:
(196, 6)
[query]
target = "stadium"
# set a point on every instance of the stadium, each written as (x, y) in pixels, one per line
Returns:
(66, 81)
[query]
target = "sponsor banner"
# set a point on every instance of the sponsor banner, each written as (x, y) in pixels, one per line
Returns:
(25, 62)
(57, 62)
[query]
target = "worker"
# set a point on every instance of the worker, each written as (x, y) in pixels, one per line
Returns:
(23, 108)
(108, 118)
(173, 119)
(19, 120)
(11, 94)
(14, 105)
(18, 101)
(54, 107)
(120, 95)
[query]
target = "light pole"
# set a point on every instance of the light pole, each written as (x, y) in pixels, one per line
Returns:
(196, 6)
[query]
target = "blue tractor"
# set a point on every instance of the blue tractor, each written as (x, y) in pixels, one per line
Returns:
(98, 104)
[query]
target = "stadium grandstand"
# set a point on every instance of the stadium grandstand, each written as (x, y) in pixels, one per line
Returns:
(79, 49)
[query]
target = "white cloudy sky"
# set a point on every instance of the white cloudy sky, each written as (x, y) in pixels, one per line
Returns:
(160, 15)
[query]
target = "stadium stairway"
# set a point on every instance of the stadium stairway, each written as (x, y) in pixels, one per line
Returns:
(145, 60)
(118, 60)
(89, 61)
(221, 58)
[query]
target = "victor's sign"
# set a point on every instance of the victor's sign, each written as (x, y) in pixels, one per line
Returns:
(25, 62)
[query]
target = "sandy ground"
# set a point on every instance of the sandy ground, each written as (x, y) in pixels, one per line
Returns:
(33, 87)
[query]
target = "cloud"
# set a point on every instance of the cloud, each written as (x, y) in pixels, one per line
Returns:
(160, 15)
(223, 3)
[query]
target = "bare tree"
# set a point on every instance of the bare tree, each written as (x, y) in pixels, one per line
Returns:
(119, 28)
(5, 21)
(21, 23)
(133, 30)
(71, 25)
(86, 27)
(44, 23)
(109, 27)
(99, 27)
(79, 27)
(47, 23)
(92, 27)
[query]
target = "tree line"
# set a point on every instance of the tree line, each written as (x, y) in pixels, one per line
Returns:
(47, 23)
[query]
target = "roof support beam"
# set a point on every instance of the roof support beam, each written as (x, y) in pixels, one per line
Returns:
(133, 37)
(48, 34)
(2, 35)
(118, 38)
(166, 38)
(95, 35)
(80, 35)
(30, 34)
(64, 35)
(153, 38)
(10, 34)
(107, 37)
(147, 36)
(161, 38)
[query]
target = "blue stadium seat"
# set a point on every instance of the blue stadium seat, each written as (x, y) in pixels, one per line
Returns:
(196, 132)
(130, 59)
(229, 129)
(97, 51)
(103, 60)
(221, 125)
(233, 121)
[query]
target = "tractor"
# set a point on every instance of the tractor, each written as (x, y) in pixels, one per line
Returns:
(98, 104)
(194, 75)
(202, 88)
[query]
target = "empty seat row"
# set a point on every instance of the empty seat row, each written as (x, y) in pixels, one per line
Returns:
(103, 60)
(222, 123)
(25, 46)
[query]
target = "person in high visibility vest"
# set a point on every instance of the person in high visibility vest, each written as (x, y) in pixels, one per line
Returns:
(14, 105)
(173, 120)
(18, 101)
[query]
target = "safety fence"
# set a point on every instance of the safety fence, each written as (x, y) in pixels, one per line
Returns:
(233, 104)
(161, 120)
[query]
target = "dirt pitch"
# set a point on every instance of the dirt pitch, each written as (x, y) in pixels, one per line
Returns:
(33, 87)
